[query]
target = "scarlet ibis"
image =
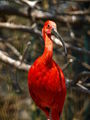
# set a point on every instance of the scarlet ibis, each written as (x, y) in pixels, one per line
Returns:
(45, 78)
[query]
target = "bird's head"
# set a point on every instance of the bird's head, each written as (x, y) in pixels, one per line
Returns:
(50, 29)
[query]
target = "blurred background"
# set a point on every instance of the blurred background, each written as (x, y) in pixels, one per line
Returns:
(21, 22)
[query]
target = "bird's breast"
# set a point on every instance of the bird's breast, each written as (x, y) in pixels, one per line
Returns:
(45, 82)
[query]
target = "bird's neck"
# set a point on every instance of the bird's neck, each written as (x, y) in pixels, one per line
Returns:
(48, 50)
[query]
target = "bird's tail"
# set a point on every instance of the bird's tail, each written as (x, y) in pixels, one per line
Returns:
(55, 114)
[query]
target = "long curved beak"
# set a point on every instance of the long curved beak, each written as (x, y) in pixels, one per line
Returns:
(57, 39)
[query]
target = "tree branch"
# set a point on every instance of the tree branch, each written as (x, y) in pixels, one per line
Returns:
(15, 51)
(31, 4)
(67, 64)
(77, 86)
(10, 10)
(80, 76)
(77, 49)
(87, 66)
(40, 14)
(22, 28)
(17, 64)
(76, 13)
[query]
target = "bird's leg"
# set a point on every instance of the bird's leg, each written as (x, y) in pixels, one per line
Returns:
(50, 117)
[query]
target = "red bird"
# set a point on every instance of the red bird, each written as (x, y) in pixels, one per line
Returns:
(45, 78)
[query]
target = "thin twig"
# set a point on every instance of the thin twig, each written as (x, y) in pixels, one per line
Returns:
(67, 64)
(25, 52)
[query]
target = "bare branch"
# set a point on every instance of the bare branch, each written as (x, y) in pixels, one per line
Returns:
(62, 17)
(40, 14)
(77, 49)
(76, 13)
(31, 4)
(87, 66)
(22, 28)
(80, 76)
(67, 64)
(15, 51)
(81, 86)
(77, 87)
(17, 64)
(80, 89)
(71, 60)
(10, 10)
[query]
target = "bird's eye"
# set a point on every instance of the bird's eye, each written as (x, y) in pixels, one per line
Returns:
(48, 26)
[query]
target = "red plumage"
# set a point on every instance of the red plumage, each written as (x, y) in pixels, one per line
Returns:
(46, 80)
